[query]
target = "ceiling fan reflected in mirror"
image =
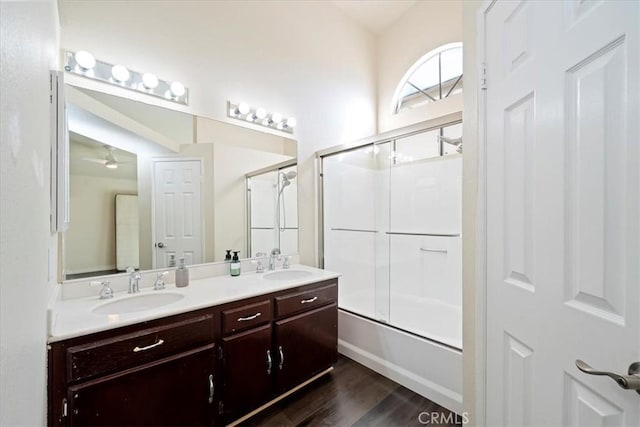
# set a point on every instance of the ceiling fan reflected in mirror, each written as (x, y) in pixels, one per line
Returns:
(109, 160)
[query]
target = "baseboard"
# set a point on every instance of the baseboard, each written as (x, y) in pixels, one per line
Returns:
(432, 391)
(279, 398)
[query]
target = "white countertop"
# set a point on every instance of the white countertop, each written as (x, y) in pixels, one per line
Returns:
(74, 317)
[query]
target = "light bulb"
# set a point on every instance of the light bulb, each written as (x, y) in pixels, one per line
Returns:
(85, 60)
(149, 80)
(243, 108)
(291, 122)
(276, 118)
(112, 165)
(261, 113)
(177, 89)
(120, 73)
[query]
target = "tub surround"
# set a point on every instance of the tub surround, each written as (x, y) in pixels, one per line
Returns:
(70, 312)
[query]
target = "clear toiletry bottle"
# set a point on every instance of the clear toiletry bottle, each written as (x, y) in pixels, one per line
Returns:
(182, 275)
(234, 267)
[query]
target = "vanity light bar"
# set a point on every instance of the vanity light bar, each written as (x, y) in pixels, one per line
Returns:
(84, 64)
(260, 116)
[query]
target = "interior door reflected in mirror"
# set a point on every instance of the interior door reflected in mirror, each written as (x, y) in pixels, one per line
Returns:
(149, 185)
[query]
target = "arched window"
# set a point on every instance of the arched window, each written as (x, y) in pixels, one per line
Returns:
(437, 75)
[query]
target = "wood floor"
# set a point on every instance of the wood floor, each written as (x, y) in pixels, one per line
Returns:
(352, 395)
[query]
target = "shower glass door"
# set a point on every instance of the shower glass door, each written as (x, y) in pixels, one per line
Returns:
(354, 216)
(272, 198)
(392, 227)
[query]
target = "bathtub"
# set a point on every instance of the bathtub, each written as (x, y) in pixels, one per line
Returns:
(418, 348)
(430, 318)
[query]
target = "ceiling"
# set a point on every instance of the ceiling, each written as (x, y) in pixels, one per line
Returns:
(374, 15)
(82, 148)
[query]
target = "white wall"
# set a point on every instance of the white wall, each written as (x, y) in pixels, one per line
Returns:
(90, 241)
(28, 32)
(424, 27)
(302, 58)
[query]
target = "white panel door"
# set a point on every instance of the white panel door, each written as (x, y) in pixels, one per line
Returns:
(562, 211)
(178, 212)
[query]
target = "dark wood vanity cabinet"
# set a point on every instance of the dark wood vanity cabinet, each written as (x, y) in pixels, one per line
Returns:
(247, 367)
(157, 373)
(264, 362)
(208, 367)
(305, 345)
(175, 391)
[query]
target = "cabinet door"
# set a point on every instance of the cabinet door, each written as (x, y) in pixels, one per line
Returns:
(175, 391)
(248, 364)
(305, 345)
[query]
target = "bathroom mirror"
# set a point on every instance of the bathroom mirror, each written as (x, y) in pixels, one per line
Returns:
(149, 185)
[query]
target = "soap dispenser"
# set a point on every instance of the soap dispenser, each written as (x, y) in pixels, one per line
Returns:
(182, 274)
(227, 257)
(235, 264)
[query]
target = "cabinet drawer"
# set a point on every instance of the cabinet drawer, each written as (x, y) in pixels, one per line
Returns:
(247, 316)
(306, 300)
(128, 350)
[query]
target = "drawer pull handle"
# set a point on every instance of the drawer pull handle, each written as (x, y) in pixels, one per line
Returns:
(244, 319)
(211, 389)
(149, 347)
(268, 362)
(307, 301)
(281, 357)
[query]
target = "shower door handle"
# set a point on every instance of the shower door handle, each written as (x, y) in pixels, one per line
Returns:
(627, 382)
(442, 251)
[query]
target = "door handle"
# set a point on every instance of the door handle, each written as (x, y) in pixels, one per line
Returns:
(442, 251)
(160, 245)
(211, 388)
(281, 357)
(627, 382)
(268, 362)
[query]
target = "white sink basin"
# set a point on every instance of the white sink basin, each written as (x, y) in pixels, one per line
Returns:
(287, 275)
(138, 303)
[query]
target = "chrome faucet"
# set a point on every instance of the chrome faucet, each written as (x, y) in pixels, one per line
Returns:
(106, 291)
(134, 279)
(275, 254)
(258, 262)
(159, 284)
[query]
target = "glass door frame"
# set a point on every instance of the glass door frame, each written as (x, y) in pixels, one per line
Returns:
(390, 136)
